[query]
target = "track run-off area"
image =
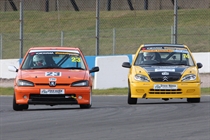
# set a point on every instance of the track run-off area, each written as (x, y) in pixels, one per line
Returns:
(110, 118)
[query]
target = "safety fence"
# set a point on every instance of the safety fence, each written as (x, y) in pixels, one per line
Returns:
(123, 25)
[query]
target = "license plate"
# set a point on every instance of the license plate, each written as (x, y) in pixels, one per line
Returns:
(52, 91)
(165, 86)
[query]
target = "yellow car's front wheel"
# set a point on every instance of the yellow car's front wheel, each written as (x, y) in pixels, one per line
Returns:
(193, 100)
(130, 99)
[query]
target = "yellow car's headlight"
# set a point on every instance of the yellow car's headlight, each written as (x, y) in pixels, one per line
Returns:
(189, 77)
(141, 78)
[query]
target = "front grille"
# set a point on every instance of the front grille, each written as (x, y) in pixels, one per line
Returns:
(47, 84)
(170, 79)
(165, 91)
(52, 99)
(160, 77)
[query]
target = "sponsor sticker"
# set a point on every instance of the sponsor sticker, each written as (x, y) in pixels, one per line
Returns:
(165, 86)
(52, 91)
(167, 69)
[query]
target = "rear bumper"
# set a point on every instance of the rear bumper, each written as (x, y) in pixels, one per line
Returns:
(73, 95)
(146, 90)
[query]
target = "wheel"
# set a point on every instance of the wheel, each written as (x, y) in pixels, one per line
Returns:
(18, 107)
(24, 107)
(86, 106)
(193, 100)
(130, 99)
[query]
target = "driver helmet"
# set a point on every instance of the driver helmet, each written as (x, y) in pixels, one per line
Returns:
(39, 60)
(148, 56)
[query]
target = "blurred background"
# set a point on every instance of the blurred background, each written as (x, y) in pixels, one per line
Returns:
(123, 25)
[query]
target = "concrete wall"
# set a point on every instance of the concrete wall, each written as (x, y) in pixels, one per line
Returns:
(4, 63)
(111, 74)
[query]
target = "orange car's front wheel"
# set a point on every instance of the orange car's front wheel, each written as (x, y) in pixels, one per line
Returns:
(18, 107)
(86, 106)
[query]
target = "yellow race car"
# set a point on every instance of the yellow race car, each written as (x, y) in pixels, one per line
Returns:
(163, 71)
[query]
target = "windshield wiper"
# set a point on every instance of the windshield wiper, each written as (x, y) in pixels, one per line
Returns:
(74, 68)
(44, 67)
(165, 63)
(182, 64)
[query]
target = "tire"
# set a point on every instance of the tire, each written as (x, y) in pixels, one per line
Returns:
(18, 107)
(86, 106)
(193, 100)
(131, 100)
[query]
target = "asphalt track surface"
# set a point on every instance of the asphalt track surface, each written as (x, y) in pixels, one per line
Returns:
(110, 118)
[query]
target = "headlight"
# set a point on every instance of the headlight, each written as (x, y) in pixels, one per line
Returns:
(80, 84)
(189, 77)
(24, 83)
(140, 77)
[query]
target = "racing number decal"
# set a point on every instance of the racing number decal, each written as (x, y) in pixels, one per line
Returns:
(76, 59)
(52, 73)
(186, 55)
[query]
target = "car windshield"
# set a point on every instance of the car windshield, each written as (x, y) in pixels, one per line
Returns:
(53, 59)
(164, 56)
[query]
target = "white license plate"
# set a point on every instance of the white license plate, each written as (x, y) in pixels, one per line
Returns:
(52, 91)
(165, 86)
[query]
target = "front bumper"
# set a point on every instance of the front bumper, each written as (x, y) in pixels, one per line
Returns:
(73, 95)
(146, 90)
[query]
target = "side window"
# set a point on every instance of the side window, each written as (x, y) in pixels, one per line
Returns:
(28, 63)
(139, 59)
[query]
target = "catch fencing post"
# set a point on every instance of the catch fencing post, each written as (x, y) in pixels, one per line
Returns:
(97, 26)
(21, 28)
(1, 53)
(114, 40)
(175, 21)
(62, 40)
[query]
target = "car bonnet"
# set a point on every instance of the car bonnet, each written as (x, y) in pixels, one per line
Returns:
(59, 75)
(177, 69)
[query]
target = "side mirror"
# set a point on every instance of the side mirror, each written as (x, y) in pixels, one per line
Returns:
(199, 65)
(12, 69)
(94, 69)
(126, 65)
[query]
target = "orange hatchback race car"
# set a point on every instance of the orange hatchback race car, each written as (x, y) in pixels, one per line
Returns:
(53, 76)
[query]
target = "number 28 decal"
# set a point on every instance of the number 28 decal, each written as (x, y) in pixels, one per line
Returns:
(76, 59)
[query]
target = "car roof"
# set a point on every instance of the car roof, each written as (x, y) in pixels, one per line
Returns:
(167, 45)
(54, 48)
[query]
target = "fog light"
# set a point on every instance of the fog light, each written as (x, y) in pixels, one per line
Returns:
(190, 90)
(80, 97)
(25, 97)
(140, 90)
